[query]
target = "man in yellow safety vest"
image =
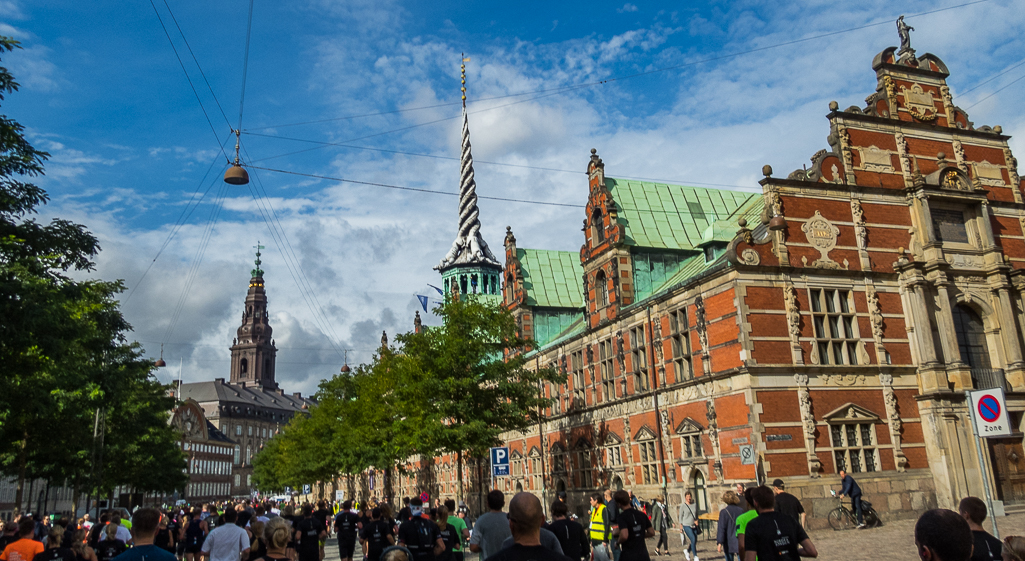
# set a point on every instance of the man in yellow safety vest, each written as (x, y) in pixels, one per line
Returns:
(600, 528)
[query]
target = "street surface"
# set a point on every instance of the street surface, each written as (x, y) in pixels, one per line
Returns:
(893, 541)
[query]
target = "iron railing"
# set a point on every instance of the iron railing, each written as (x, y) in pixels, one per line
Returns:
(988, 378)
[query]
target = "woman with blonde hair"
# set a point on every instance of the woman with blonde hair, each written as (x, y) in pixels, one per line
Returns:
(54, 551)
(1014, 548)
(110, 547)
(277, 533)
(257, 541)
(80, 548)
(726, 536)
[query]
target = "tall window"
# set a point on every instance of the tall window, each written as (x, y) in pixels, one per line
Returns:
(639, 356)
(836, 328)
(582, 464)
(678, 326)
(605, 357)
(597, 227)
(613, 453)
(601, 289)
(577, 367)
(854, 447)
(649, 461)
(971, 337)
(237, 454)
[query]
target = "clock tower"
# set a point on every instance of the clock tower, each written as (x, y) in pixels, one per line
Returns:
(252, 351)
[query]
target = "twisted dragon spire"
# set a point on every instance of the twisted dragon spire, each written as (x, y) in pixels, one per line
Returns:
(469, 247)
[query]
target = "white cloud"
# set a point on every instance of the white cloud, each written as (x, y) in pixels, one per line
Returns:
(627, 8)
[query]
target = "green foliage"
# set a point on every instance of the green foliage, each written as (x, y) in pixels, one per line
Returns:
(449, 389)
(64, 348)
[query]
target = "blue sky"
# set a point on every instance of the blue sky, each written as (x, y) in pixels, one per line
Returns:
(103, 92)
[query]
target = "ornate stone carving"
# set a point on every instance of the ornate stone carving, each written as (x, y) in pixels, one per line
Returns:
(807, 423)
(905, 160)
(843, 379)
(845, 154)
(860, 230)
(699, 323)
(876, 313)
(919, 103)
(893, 420)
(822, 236)
(1012, 173)
(959, 156)
(875, 159)
(963, 261)
(750, 257)
(713, 425)
(948, 105)
(793, 311)
(891, 95)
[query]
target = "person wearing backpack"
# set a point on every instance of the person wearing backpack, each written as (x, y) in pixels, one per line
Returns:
(661, 521)
(420, 535)
(726, 535)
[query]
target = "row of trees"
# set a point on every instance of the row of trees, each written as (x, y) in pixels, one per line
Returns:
(66, 358)
(449, 389)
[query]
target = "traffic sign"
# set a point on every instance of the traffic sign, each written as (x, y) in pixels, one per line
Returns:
(339, 495)
(499, 461)
(307, 489)
(989, 413)
(747, 455)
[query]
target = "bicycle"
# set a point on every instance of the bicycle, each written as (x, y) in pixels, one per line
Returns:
(843, 518)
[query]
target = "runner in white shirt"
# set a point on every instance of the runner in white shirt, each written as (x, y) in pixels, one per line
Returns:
(227, 541)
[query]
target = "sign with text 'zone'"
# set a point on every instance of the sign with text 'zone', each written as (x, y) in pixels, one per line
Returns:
(499, 461)
(989, 412)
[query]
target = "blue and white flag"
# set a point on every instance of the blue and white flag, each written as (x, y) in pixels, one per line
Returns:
(440, 291)
(423, 301)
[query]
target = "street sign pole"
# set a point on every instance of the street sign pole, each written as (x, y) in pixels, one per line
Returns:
(974, 402)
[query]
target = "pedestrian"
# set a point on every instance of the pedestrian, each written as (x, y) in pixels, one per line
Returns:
(739, 489)
(548, 541)
(491, 528)
(688, 517)
(121, 532)
(25, 548)
(278, 534)
(145, 525)
(449, 534)
(774, 536)
(661, 521)
(1014, 548)
(851, 488)
(600, 530)
(987, 548)
(110, 547)
(10, 534)
(164, 538)
(726, 530)
(257, 540)
(308, 534)
(194, 533)
(634, 528)
(569, 532)
(742, 521)
(227, 541)
(943, 535)
(377, 536)
(82, 550)
(462, 533)
(420, 535)
(404, 511)
(347, 526)
(613, 509)
(525, 518)
(54, 551)
(787, 503)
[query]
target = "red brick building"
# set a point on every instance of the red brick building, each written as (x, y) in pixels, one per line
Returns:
(834, 320)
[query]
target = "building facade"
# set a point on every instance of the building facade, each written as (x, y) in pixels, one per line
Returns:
(208, 451)
(832, 321)
(250, 408)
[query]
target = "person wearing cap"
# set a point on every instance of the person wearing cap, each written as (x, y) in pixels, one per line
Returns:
(787, 503)
(420, 535)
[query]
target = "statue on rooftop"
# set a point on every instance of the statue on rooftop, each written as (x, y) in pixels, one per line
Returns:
(904, 32)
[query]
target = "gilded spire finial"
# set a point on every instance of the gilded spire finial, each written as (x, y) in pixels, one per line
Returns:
(462, 72)
(258, 272)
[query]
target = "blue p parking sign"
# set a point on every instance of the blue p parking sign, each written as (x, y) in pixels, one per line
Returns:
(499, 461)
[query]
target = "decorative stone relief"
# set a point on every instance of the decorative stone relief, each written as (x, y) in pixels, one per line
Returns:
(822, 236)
(793, 312)
(807, 424)
(963, 261)
(699, 322)
(891, 95)
(876, 313)
(1012, 173)
(750, 257)
(905, 160)
(894, 420)
(989, 174)
(919, 102)
(620, 353)
(845, 154)
(860, 230)
(875, 159)
(959, 156)
(842, 379)
(948, 104)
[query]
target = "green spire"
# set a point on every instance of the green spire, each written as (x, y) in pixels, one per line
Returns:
(258, 272)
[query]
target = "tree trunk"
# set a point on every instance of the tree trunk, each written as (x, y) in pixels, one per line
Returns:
(22, 463)
(459, 489)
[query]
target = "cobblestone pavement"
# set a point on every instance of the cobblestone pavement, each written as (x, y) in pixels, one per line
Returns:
(892, 541)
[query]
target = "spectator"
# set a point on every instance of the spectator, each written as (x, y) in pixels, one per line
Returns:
(570, 533)
(987, 548)
(688, 517)
(661, 521)
(525, 518)
(739, 488)
(1014, 548)
(943, 535)
(787, 503)
(774, 536)
(491, 528)
(726, 533)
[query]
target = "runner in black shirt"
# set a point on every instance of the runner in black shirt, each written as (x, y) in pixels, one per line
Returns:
(404, 511)
(787, 503)
(347, 526)
(572, 537)
(987, 548)
(525, 518)
(54, 551)
(278, 533)
(773, 536)
(110, 547)
(449, 534)
(419, 535)
(377, 535)
(634, 527)
(308, 533)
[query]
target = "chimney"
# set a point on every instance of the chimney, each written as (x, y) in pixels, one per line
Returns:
(219, 381)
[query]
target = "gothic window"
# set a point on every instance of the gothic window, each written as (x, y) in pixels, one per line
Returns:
(605, 357)
(583, 465)
(971, 337)
(836, 327)
(508, 289)
(647, 457)
(690, 440)
(639, 356)
(558, 459)
(612, 451)
(597, 227)
(852, 436)
(679, 326)
(535, 469)
(250, 430)
(577, 367)
(243, 366)
(601, 289)
(473, 283)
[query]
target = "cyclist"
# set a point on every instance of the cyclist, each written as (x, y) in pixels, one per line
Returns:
(850, 488)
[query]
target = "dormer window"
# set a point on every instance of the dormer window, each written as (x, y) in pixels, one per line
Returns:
(597, 227)
(601, 289)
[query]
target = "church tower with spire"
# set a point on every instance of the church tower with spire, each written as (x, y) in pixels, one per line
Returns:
(252, 351)
(469, 267)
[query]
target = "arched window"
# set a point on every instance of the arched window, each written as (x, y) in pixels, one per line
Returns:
(601, 289)
(243, 366)
(597, 227)
(971, 337)
(698, 491)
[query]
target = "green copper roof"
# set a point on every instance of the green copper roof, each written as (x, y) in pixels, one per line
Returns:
(552, 279)
(659, 215)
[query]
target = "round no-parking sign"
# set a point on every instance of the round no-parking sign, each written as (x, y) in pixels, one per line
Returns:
(989, 412)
